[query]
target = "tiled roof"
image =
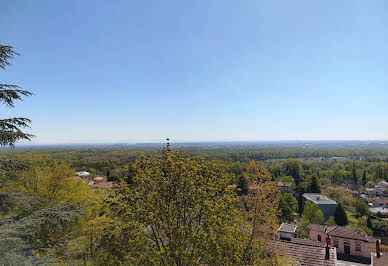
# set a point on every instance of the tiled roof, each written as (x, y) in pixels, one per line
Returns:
(307, 242)
(288, 228)
(379, 201)
(100, 179)
(317, 227)
(348, 233)
(340, 231)
(304, 254)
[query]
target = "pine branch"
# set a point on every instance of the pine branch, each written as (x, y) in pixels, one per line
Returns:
(10, 93)
(6, 53)
(10, 130)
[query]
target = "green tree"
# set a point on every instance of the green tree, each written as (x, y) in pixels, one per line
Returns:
(288, 206)
(177, 210)
(311, 214)
(314, 185)
(361, 208)
(340, 216)
(294, 168)
(11, 129)
(364, 180)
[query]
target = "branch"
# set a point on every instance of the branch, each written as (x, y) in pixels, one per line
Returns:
(9, 93)
(6, 53)
(10, 130)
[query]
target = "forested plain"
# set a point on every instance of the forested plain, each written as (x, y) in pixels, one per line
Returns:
(174, 205)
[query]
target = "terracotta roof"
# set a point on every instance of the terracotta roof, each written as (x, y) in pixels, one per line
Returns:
(304, 254)
(100, 179)
(307, 242)
(348, 233)
(378, 201)
(288, 228)
(340, 231)
(317, 227)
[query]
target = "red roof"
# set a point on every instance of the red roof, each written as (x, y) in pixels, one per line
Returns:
(304, 254)
(100, 179)
(340, 231)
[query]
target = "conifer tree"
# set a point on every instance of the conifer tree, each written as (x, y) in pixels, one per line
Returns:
(314, 186)
(364, 178)
(11, 129)
(340, 216)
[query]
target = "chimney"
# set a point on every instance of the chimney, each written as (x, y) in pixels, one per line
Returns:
(378, 248)
(327, 254)
(328, 243)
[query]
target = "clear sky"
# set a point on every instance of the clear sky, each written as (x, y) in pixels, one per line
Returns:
(199, 70)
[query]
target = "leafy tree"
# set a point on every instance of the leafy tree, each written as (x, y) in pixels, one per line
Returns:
(340, 216)
(311, 214)
(314, 185)
(11, 129)
(361, 208)
(178, 210)
(262, 211)
(288, 206)
(294, 168)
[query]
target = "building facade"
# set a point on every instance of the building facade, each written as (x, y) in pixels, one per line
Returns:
(326, 205)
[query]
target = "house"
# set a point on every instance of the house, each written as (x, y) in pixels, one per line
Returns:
(326, 205)
(350, 244)
(380, 202)
(97, 182)
(304, 254)
(382, 185)
(382, 211)
(286, 231)
(373, 192)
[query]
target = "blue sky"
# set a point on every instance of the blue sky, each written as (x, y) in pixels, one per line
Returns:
(198, 70)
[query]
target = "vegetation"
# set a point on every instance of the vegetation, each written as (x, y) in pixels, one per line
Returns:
(340, 216)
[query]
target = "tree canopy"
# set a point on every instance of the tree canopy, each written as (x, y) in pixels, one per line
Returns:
(11, 129)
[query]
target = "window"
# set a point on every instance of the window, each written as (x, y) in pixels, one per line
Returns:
(319, 238)
(358, 247)
(346, 247)
(336, 243)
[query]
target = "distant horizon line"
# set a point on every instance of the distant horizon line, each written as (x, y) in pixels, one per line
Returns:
(196, 142)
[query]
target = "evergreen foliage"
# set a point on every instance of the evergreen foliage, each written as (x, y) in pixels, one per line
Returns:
(11, 129)
(340, 216)
(314, 185)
